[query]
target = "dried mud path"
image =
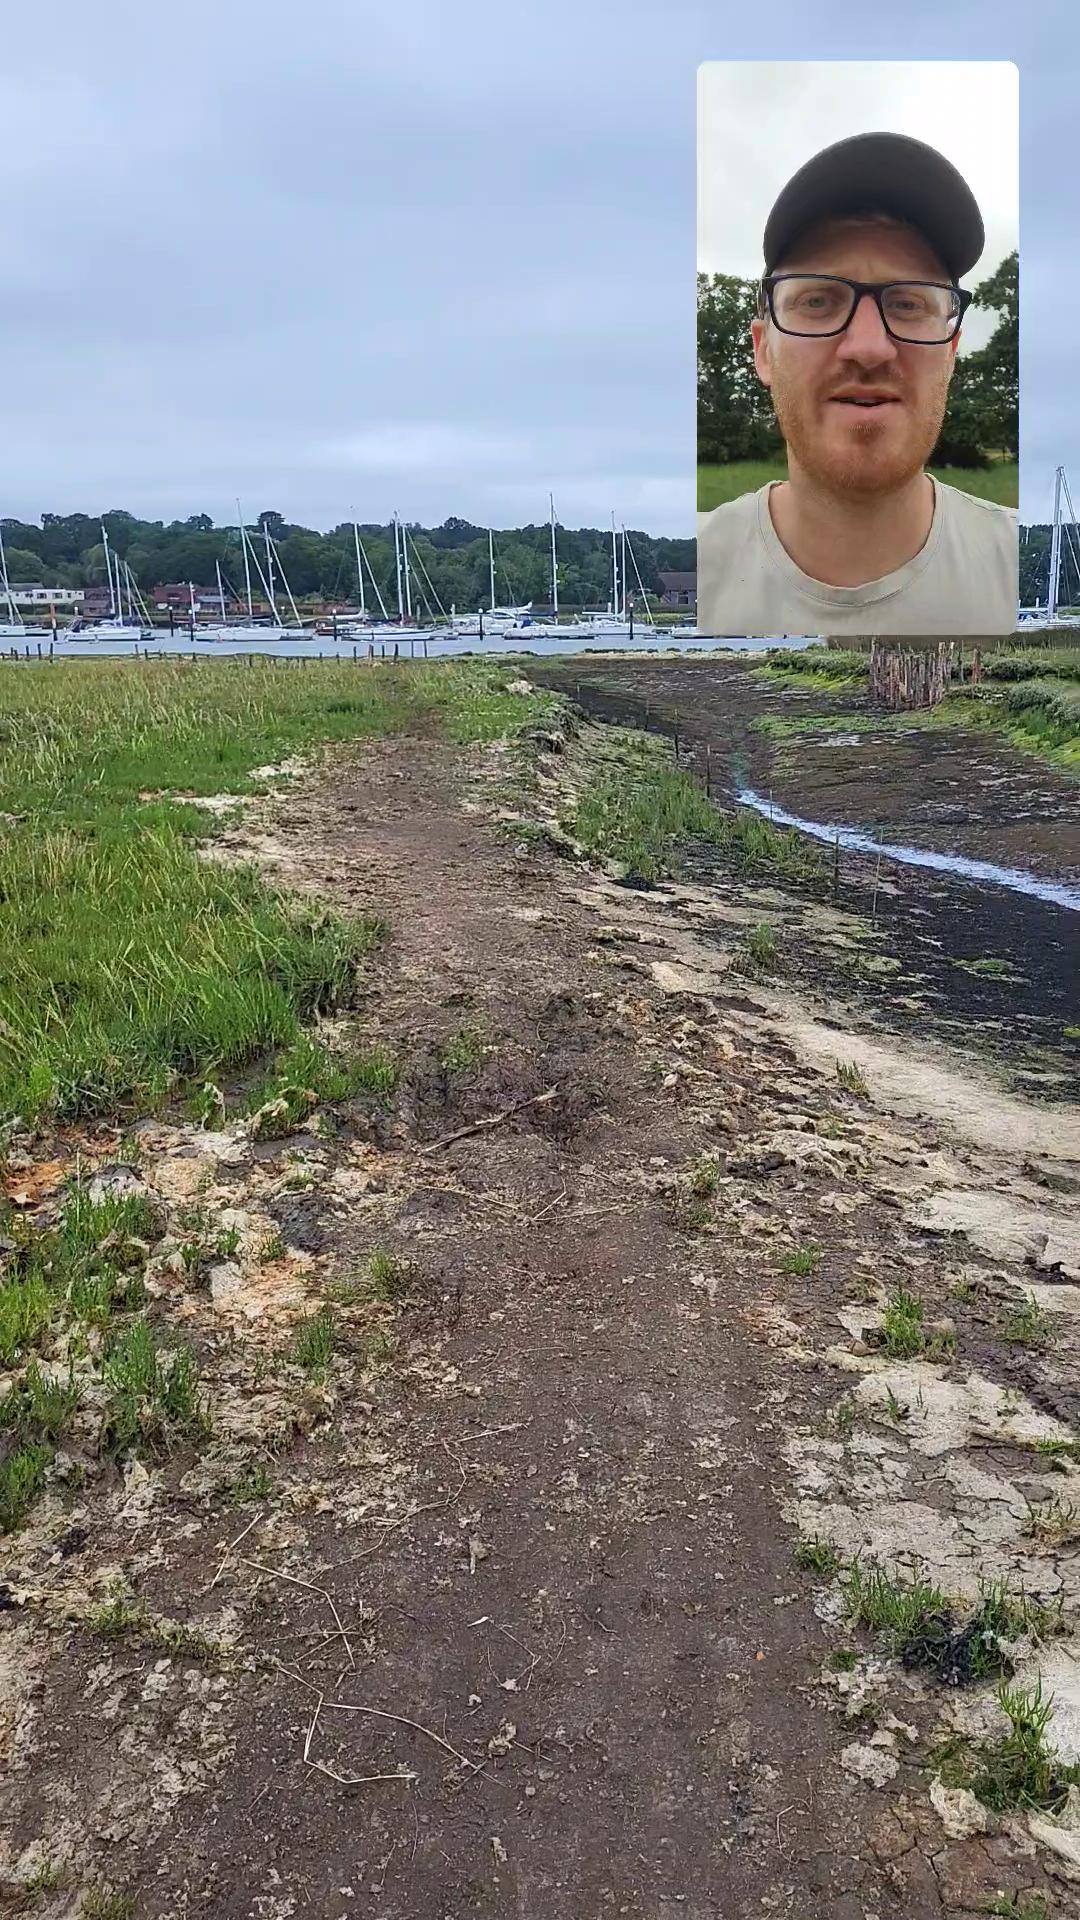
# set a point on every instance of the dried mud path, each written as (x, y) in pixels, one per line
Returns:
(554, 1658)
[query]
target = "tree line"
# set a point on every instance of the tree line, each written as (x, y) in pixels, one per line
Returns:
(67, 550)
(735, 417)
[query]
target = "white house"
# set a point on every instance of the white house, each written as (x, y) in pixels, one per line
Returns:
(31, 593)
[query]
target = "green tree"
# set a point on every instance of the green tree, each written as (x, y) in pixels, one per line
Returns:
(735, 417)
(25, 566)
(983, 411)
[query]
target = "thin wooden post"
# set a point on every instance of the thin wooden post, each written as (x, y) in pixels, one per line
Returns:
(877, 876)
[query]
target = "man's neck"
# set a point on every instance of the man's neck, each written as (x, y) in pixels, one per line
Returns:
(846, 540)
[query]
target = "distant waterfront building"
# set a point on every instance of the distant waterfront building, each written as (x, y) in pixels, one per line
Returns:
(678, 589)
(31, 593)
(177, 595)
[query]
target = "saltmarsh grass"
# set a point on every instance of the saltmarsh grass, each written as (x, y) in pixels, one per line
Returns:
(640, 810)
(85, 1270)
(22, 1473)
(131, 964)
(153, 1395)
(926, 1627)
(819, 663)
(308, 1074)
(1022, 1769)
(316, 1342)
(902, 1334)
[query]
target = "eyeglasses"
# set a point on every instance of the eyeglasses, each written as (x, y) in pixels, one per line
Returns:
(919, 312)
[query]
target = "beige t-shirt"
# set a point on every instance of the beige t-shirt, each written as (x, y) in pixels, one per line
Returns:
(964, 581)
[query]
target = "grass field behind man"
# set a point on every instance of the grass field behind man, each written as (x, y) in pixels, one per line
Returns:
(717, 484)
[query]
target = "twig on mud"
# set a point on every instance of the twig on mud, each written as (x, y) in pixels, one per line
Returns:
(293, 1579)
(794, 1808)
(429, 1506)
(494, 1120)
(231, 1549)
(345, 1779)
(535, 1658)
(550, 1208)
(377, 1713)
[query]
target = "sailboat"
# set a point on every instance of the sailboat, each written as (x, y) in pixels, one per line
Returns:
(495, 620)
(1048, 616)
(252, 629)
(523, 625)
(616, 622)
(15, 628)
(404, 626)
(114, 626)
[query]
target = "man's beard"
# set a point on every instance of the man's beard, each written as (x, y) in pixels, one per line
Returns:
(871, 462)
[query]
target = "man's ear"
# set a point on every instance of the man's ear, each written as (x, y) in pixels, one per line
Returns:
(759, 331)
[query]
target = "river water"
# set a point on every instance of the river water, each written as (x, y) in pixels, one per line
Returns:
(430, 647)
(854, 841)
(957, 854)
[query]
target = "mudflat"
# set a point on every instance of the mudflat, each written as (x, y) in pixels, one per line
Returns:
(671, 1300)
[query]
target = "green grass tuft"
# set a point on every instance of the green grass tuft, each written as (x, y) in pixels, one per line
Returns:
(153, 1395)
(316, 1342)
(927, 1628)
(761, 947)
(22, 1474)
(1020, 1770)
(1026, 1325)
(388, 1277)
(107, 1903)
(903, 1335)
(800, 1262)
(816, 1555)
(462, 1053)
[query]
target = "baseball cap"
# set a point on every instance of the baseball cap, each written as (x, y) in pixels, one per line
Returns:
(881, 173)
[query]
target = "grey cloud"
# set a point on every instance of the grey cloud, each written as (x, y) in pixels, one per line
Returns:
(247, 247)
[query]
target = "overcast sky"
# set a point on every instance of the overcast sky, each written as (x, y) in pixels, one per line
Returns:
(758, 123)
(431, 258)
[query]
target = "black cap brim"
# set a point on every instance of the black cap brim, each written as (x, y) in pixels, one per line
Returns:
(881, 173)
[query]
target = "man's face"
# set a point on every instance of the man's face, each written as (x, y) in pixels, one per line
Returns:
(817, 385)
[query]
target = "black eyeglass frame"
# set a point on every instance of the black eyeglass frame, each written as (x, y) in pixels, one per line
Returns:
(876, 289)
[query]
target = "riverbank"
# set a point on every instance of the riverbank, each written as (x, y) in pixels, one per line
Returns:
(498, 1547)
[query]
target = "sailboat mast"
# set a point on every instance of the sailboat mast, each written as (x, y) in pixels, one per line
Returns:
(614, 570)
(270, 574)
(491, 567)
(359, 572)
(114, 609)
(397, 568)
(220, 591)
(284, 578)
(6, 583)
(405, 570)
(1055, 552)
(624, 599)
(247, 560)
(554, 564)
